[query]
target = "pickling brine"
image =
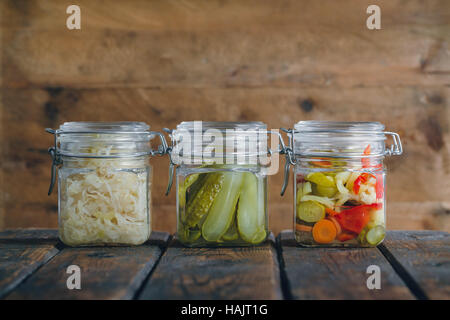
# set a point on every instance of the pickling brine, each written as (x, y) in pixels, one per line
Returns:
(218, 206)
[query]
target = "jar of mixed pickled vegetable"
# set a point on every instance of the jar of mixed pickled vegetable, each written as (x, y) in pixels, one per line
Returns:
(221, 183)
(104, 182)
(339, 182)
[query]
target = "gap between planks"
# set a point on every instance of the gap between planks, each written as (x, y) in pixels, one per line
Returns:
(30, 257)
(422, 259)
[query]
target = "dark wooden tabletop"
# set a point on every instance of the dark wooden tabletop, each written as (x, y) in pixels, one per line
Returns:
(412, 264)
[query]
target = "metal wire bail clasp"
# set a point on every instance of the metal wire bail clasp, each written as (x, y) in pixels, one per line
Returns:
(171, 163)
(290, 160)
(56, 160)
(395, 149)
(162, 148)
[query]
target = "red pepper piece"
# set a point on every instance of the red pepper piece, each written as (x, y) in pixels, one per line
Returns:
(363, 178)
(357, 184)
(379, 187)
(366, 161)
(356, 218)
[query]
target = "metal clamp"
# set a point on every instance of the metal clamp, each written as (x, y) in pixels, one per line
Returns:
(56, 161)
(395, 149)
(162, 148)
(171, 163)
(290, 159)
(280, 137)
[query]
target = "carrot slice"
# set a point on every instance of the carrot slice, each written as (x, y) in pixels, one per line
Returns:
(322, 164)
(330, 211)
(302, 227)
(336, 224)
(324, 231)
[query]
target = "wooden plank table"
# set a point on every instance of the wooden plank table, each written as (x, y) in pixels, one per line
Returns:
(413, 265)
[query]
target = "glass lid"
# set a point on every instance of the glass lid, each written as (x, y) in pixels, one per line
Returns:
(338, 139)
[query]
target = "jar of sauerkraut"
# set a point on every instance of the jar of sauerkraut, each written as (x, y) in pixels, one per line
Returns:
(221, 178)
(104, 182)
(339, 182)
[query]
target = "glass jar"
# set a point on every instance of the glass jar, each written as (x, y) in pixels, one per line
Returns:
(339, 182)
(221, 178)
(104, 182)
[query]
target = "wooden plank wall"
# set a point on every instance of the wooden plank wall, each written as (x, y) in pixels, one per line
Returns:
(275, 61)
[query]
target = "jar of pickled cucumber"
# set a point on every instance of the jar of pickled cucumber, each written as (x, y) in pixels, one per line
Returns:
(221, 182)
(104, 182)
(339, 182)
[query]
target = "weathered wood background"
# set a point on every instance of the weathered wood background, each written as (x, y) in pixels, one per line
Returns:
(275, 61)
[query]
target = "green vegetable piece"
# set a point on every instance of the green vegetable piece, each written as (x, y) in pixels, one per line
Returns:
(320, 179)
(362, 236)
(307, 189)
(375, 235)
(337, 163)
(232, 232)
(331, 173)
(299, 192)
(193, 189)
(251, 210)
(198, 206)
(188, 181)
(222, 210)
(310, 211)
(325, 191)
(303, 188)
(188, 235)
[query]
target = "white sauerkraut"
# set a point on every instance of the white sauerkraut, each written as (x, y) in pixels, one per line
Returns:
(104, 201)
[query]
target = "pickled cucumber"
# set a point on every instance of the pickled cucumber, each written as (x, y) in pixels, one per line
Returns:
(222, 210)
(310, 211)
(198, 206)
(251, 211)
(232, 232)
(188, 235)
(193, 189)
(188, 181)
(362, 236)
(325, 191)
(320, 179)
(375, 235)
